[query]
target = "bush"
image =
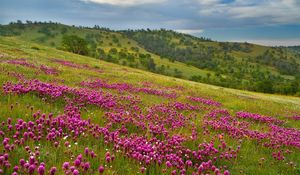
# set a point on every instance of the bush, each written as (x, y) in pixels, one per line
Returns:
(75, 44)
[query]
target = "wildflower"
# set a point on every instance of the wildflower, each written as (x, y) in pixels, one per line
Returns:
(143, 169)
(87, 166)
(41, 170)
(226, 172)
(52, 170)
(86, 151)
(31, 169)
(101, 169)
(75, 172)
(66, 165)
(168, 164)
(77, 162)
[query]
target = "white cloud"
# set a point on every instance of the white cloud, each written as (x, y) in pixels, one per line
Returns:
(125, 2)
(272, 42)
(208, 2)
(190, 31)
(267, 11)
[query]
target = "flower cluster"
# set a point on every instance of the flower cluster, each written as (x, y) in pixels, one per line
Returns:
(48, 70)
(76, 65)
(128, 87)
(275, 138)
(101, 99)
(205, 101)
(258, 117)
(23, 62)
(295, 117)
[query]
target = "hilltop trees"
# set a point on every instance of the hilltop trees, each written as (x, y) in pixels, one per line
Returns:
(75, 44)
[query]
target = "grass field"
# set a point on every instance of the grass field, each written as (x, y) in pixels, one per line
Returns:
(118, 124)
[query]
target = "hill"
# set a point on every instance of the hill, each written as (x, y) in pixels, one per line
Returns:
(235, 65)
(295, 49)
(63, 112)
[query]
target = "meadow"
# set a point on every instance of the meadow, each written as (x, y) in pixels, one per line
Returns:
(63, 113)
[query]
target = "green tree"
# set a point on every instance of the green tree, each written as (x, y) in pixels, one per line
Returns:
(75, 44)
(265, 86)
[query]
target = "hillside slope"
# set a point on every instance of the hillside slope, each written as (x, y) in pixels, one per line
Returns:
(103, 44)
(236, 65)
(108, 118)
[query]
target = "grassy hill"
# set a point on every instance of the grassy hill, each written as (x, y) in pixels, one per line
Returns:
(66, 112)
(295, 49)
(235, 65)
(128, 53)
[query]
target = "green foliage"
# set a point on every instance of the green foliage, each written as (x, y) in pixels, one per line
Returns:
(265, 86)
(75, 44)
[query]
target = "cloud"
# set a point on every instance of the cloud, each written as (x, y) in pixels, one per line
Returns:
(272, 42)
(125, 2)
(263, 12)
(190, 31)
(209, 2)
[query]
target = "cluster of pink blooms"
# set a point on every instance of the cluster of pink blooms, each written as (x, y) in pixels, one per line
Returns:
(258, 117)
(276, 138)
(23, 62)
(48, 70)
(82, 95)
(205, 101)
(20, 61)
(19, 76)
(43, 127)
(76, 65)
(70, 125)
(127, 87)
(296, 117)
(81, 165)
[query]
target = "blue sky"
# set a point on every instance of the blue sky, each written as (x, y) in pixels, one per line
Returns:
(268, 22)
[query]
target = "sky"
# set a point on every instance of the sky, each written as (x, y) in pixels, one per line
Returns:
(267, 22)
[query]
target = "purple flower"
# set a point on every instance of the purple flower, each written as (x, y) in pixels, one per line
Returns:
(41, 170)
(16, 168)
(31, 169)
(86, 151)
(52, 170)
(143, 169)
(101, 169)
(86, 166)
(66, 165)
(168, 164)
(77, 162)
(226, 172)
(75, 172)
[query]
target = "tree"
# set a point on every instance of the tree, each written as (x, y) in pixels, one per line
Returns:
(148, 63)
(75, 44)
(265, 86)
(178, 73)
(208, 75)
